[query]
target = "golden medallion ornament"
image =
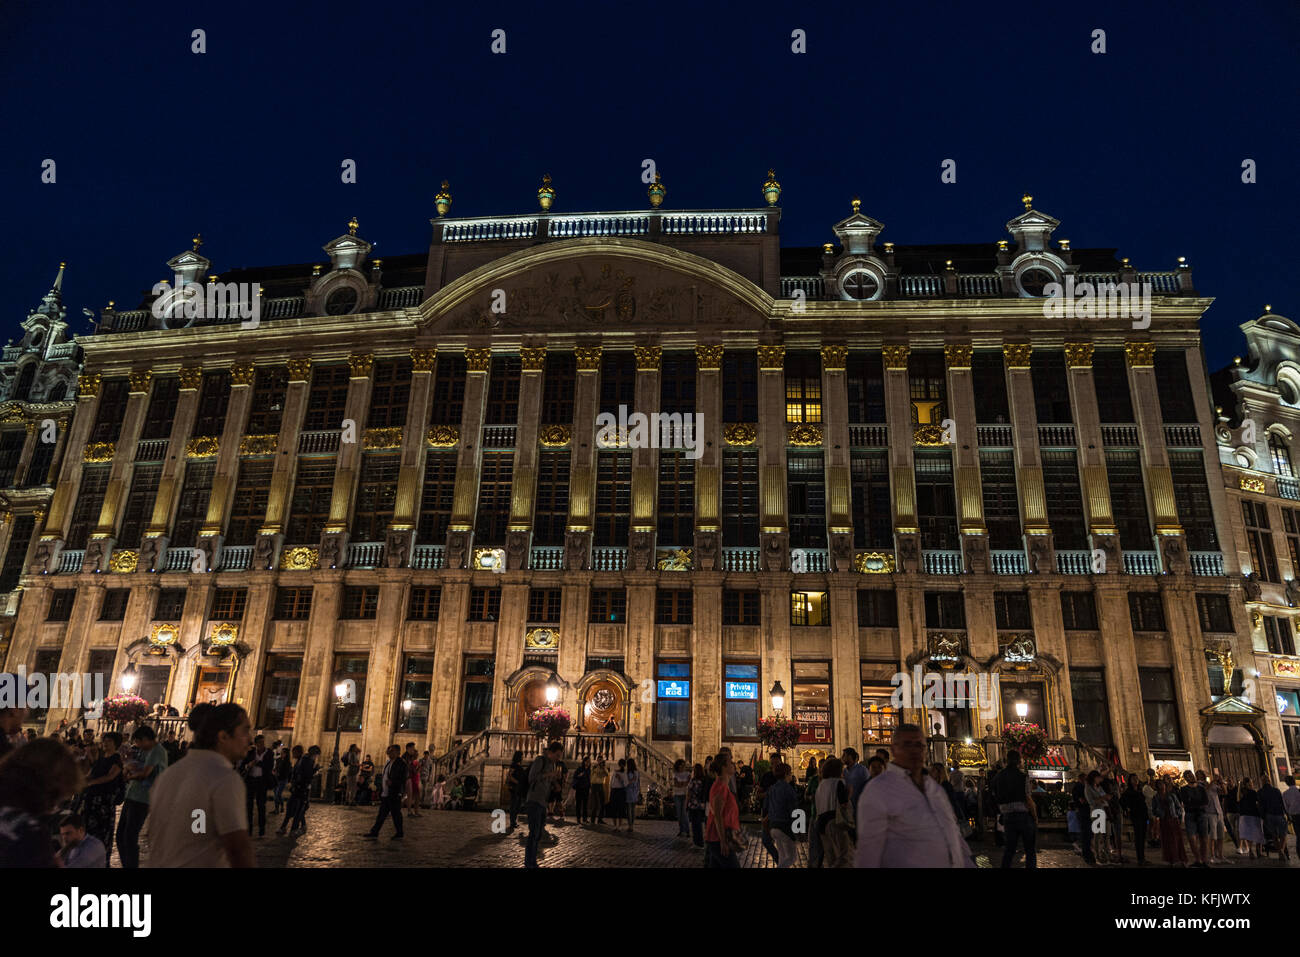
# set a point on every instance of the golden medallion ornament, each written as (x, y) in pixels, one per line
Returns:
(376, 439)
(740, 434)
(1141, 355)
(874, 563)
(203, 447)
(958, 356)
(226, 633)
(771, 357)
(13, 412)
(299, 559)
(478, 360)
(554, 436)
(489, 559)
(708, 357)
(834, 358)
(928, 435)
(442, 436)
(1078, 355)
(124, 561)
(896, 357)
(99, 452)
(805, 434)
(1250, 484)
(1017, 354)
(258, 444)
(674, 560)
(542, 639)
(423, 360)
(163, 635)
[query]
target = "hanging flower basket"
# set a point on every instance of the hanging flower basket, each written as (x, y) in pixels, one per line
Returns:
(1029, 739)
(125, 707)
(549, 723)
(778, 733)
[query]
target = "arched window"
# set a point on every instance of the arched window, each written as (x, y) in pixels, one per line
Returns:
(58, 393)
(1281, 455)
(25, 381)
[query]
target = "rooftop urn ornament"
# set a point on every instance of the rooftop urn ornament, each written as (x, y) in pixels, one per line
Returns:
(1028, 201)
(442, 202)
(352, 226)
(546, 195)
(857, 204)
(198, 241)
(656, 192)
(771, 188)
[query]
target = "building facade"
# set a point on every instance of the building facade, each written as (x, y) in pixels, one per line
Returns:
(859, 460)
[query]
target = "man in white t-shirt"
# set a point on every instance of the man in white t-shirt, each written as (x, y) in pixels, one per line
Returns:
(197, 814)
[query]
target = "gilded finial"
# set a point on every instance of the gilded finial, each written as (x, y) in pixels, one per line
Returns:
(1267, 307)
(352, 226)
(1028, 201)
(62, 265)
(442, 202)
(856, 204)
(1002, 245)
(1064, 244)
(828, 248)
(198, 241)
(771, 188)
(656, 191)
(546, 195)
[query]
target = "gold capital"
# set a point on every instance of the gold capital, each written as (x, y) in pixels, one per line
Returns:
(191, 377)
(533, 359)
(241, 373)
(834, 357)
(478, 360)
(1140, 354)
(771, 357)
(708, 357)
(896, 357)
(139, 381)
(958, 356)
(299, 370)
(647, 358)
(361, 364)
(1017, 354)
(1078, 355)
(587, 358)
(88, 385)
(423, 360)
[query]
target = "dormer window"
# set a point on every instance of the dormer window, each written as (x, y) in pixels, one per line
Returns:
(1281, 456)
(1034, 281)
(861, 285)
(341, 302)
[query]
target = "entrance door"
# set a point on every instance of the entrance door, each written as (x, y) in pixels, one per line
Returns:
(1236, 761)
(211, 685)
(531, 697)
(603, 701)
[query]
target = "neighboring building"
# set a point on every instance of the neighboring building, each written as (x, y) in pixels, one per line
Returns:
(38, 377)
(904, 460)
(1262, 393)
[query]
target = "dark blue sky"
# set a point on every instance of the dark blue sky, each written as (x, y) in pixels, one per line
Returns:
(1139, 148)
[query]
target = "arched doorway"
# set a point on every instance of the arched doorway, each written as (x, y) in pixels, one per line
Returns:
(532, 695)
(602, 700)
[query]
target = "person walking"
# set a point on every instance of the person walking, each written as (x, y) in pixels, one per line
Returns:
(104, 791)
(582, 789)
(781, 804)
(1097, 801)
(1251, 822)
(824, 805)
(632, 793)
(412, 760)
(392, 790)
(1134, 805)
(1291, 806)
(140, 775)
(1168, 810)
(258, 771)
(304, 770)
(599, 792)
(1231, 815)
(856, 775)
(283, 771)
(205, 781)
(542, 776)
(722, 835)
(1019, 813)
(1273, 812)
(904, 819)
(517, 783)
(352, 765)
(681, 784)
(1195, 803)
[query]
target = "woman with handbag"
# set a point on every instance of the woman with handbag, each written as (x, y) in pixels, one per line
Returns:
(722, 836)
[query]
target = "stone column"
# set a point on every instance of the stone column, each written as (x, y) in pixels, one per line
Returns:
(523, 484)
(511, 624)
(1090, 449)
(582, 460)
(639, 652)
(645, 462)
(777, 642)
(460, 532)
(317, 694)
(846, 667)
(256, 631)
(103, 539)
(708, 467)
(966, 458)
(1050, 639)
(385, 676)
(706, 664)
(774, 536)
(401, 531)
(571, 660)
(1155, 460)
(76, 644)
(271, 536)
(29, 449)
(65, 495)
(154, 547)
(1119, 658)
(902, 480)
(835, 445)
(1029, 464)
(1223, 512)
(1187, 656)
(448, 657)
(347, 470)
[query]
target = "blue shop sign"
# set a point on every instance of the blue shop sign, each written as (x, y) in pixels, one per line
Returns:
(674, 689)
(742, 690)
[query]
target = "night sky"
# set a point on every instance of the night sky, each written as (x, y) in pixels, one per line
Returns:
(1140, 148)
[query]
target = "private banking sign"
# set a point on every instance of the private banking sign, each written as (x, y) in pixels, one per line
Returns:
(742, 690)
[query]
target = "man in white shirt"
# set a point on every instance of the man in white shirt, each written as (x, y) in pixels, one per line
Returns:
(904, 818)
(197, 814)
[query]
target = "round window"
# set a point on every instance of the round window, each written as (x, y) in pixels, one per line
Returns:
(341, 302)
(1287, 389)
(861, 284)
(1034, 280)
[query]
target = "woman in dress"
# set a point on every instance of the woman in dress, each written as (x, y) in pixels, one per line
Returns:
(633, 792)
(99, 806)
(618, 792)
(697, 796)
(599, 791)
(1097, 801)
(1250, 822)
(1168, 810)
(681, 785)
(413, 783)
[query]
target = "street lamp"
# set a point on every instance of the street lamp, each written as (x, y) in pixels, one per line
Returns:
(1022, 707)
(552, 688)
(129, 678)
(406, 713)
(778, 697)
(340, 699)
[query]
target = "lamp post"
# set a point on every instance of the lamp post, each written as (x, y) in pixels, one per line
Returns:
(778, 705)
(129, 678)
(407, 704)
(340, 699)
(552, 689)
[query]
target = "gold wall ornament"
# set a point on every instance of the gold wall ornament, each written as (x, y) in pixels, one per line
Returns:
(874, 563)
(12, 412)
(1249, 484)
(1141, 355)
(740, 433)
(423, 360)
(1286, 667)
(88, 385)
(533, 359)
(771, 358)
(958, 356)
(299, 559)
(374, 439)
(587, 358)
(165, 634)
(674, 559)
(99, 452)
(928, 435)
(966, 755)
(361, 364)
(1017, 354)
(124, 561)
(896, 357)
(648, 358)
(258, 444)
(241, 373)
(1078, 355)
(488, 559)
(299, 370)
(478, 360)
(708, 357)
(542, 639)
(139, 382)
(226, 633)
(554, 436)
(203, 447)
(30, 427)
(805, 434)
(191, 377)
(443, 436)
(834, 358)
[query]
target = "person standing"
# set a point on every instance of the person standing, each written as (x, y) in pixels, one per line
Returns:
(904, 818)
(681, 784)
(517, 784)
(599, 791)
(283, 771)
(426, 777)
(206, 781)
(1195, 802)
(722, 836)
(1291, 806)
(412, 760)
(1134, 804)
(582, 789)
(824, 806)
(393, 787)
(618, 792)
(352, 765)
(1095, 795)
(80, 849)
(1273, 812)
(1251, 821)
(781, 803)
(1213, 818)
(35, 778)
(632, 794)
(856, 775)
(103, 792)
(258, 770)
(140, 775)
(1167, 809)
(696, 798)
(1019, 813)
(304, 771)
(542, 775)
(1231, 815)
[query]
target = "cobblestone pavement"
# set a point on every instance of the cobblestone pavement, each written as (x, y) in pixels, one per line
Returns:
(334, 838)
